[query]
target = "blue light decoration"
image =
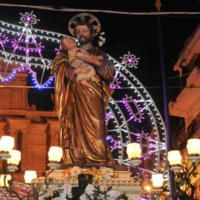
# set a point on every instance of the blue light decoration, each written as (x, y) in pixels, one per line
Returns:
(131, 114)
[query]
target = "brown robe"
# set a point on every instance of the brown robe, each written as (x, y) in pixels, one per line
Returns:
(81, 113)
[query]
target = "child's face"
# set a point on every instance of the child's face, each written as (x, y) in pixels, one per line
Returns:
(69, 43)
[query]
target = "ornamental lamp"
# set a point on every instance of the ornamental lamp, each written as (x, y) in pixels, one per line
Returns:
(174, 158)
(134, 153)
(6, 146)
(14, 160)
(147, 186)
(2, 177)
(193, 148)
(29, 176)
(157, 180)
(55, 155)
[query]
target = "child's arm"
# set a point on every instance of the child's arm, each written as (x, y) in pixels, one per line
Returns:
(98, 57)
(88, 57)
(77, 53)
(83, 55)
(94, 60)
(81, 70)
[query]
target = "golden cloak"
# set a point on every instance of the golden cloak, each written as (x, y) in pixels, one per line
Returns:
(81, 116)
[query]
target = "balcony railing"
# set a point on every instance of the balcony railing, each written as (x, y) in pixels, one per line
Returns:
(178, 84)
(180, 135)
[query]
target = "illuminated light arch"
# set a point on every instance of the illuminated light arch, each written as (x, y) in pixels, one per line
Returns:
(153, 134)
(142, 121)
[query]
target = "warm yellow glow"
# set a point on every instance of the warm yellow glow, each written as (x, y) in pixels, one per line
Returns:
(29, 176)
(8, 178)
(193, 146)
(55, 154)
(174, 157)
(133, 150)
(147, 186)
(157, 180)
(15, 157)
(6, 143)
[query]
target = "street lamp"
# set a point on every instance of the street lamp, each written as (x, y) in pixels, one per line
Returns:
(4, 179)
(11, 159)
(6, 146)
(157, 182)
(29, 176)
(134, 153)
(14, 160)
(55, 155)
(183, 172)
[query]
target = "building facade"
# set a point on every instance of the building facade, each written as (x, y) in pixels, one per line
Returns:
(184, 108)
(34, 131)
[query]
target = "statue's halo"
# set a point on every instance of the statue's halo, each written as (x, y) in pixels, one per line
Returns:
(84, 17)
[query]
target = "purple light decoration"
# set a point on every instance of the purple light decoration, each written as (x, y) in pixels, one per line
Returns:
(21, 191)
(115, 83)
(19, 44)
(28, 19)
(107, 138)
(108, 116)
(49, 81)
(115, 144)
(138, 116)
(13, 72)
(130, 60)
(26, 67)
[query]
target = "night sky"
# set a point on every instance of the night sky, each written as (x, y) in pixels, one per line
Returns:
(124, 33)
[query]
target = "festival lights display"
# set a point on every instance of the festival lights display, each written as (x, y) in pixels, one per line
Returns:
(131, 114)
(135, 111)
(28, 19)
(21, 48)
(22, 188)
(130, 60)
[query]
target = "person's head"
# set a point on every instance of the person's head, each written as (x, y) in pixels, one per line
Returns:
(67, 43)
(84, 32)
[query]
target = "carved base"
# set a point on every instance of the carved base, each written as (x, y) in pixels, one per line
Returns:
(120, 180)
(114, 167)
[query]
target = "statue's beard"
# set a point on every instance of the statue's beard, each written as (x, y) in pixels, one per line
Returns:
(84, 40)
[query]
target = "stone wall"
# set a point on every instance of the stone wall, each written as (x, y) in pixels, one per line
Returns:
(33, 139)
(34, 131)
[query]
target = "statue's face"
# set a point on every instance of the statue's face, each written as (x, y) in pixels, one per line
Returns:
(83, 34)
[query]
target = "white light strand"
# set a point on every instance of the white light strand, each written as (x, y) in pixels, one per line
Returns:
(61, 9)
